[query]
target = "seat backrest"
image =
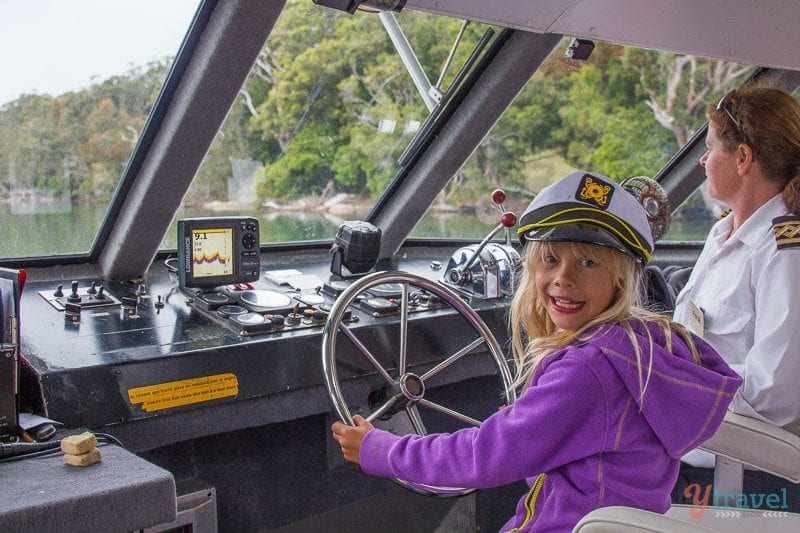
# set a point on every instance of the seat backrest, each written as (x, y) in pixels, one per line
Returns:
(660, 294)
(754, 442)
(630, 520)
(739, 440)
(677, 276)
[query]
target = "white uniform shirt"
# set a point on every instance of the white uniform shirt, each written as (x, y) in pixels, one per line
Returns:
(749, 293)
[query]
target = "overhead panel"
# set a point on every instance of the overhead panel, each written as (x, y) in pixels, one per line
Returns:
(763, 32)
(537, 16)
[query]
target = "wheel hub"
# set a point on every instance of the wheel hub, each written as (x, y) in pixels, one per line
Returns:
(412, 387)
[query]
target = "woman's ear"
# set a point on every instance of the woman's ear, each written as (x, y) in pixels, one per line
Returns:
(744, 158)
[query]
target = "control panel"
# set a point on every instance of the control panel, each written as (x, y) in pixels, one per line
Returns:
(151, 332)
(76, 298)
(294, 302)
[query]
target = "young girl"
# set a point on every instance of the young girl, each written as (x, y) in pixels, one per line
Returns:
(612, 395)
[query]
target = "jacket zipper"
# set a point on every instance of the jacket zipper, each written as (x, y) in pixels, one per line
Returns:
(530, 502)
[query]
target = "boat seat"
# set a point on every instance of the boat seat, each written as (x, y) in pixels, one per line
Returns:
(630, 520)
(739, 441)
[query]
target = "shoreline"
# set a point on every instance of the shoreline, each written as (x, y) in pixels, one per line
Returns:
(339, 204)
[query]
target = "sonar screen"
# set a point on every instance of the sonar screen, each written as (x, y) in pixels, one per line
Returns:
(218, 251)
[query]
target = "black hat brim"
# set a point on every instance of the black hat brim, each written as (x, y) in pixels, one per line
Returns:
(587, 233)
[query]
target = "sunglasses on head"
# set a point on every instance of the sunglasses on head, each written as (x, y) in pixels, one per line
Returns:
(726, 105)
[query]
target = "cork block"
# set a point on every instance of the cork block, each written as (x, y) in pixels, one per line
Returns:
(78, 444)
(85, 459)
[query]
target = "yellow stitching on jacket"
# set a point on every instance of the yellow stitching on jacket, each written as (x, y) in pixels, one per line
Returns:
(602, 492)
(711, 415)
(718, 393)
(666, 377)
(621, 422)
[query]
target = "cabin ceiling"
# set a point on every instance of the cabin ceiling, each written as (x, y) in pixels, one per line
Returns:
(762, 32)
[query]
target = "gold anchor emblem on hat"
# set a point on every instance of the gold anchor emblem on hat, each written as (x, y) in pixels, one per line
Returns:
(595, 191)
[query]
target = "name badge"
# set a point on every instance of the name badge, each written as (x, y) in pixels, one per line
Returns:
(696, 320)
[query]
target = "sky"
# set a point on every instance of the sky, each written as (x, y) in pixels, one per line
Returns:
(56, 46)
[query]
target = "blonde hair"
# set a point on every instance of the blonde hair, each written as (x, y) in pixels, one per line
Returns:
(534, 336)
(769, 122)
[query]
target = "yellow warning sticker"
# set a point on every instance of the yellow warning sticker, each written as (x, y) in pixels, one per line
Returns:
(184, 392)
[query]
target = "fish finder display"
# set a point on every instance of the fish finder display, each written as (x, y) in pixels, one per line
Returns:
(218, 251)
(212, 252)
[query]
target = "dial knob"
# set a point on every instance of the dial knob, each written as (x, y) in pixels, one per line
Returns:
(248, 240)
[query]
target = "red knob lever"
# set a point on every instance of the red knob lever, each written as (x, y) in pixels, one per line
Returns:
(508, 219)
(498, 196)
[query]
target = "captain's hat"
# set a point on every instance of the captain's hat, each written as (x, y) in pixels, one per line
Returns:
(588, 207)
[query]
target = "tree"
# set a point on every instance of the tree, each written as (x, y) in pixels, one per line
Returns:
(329, 106)
(341, 78)
(631, 145)
(78, 143)
(678, 87)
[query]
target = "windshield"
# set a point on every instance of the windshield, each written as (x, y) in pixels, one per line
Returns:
(72, 107)
(329, 107)
(314, 136)
(624, 112)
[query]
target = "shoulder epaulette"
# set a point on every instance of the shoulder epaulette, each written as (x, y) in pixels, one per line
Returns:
(787, 231)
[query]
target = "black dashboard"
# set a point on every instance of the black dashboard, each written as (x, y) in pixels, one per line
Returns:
(160, 364)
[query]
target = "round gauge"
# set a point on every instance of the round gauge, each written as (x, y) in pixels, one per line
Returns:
(231, 310)
(264, 298)
(387, 289)
(338, 284)
(215, 297)
(311, 299)
(249, 318)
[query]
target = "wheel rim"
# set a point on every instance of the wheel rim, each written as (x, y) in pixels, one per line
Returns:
(408, 387)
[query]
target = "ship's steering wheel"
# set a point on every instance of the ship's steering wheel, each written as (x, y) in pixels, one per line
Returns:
(405, 390)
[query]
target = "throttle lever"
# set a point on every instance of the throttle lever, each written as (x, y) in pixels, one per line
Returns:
(498, 197)
(487, 269)
(507, 220)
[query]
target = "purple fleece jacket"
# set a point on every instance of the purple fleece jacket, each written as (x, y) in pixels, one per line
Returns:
(579, 434)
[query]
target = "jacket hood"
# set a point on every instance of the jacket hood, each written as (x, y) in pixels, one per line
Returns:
(684, 402)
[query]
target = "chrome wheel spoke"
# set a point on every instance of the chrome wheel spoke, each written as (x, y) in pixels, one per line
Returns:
(363, 349)
(383, 408)
(449, 412)
(416, 420)
(452, 359)
(403, 328)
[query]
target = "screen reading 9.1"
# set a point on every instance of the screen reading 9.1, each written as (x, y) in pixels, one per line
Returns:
(212, 251)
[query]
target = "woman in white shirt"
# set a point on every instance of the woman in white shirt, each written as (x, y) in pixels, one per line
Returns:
(742, 296)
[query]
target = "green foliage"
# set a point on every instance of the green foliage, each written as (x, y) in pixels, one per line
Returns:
(632, 145)
(330, 98)
(78, 143)
(304, 167)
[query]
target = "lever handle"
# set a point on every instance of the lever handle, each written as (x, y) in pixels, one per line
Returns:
(460, 275)
(498, 197)
(507, 221)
